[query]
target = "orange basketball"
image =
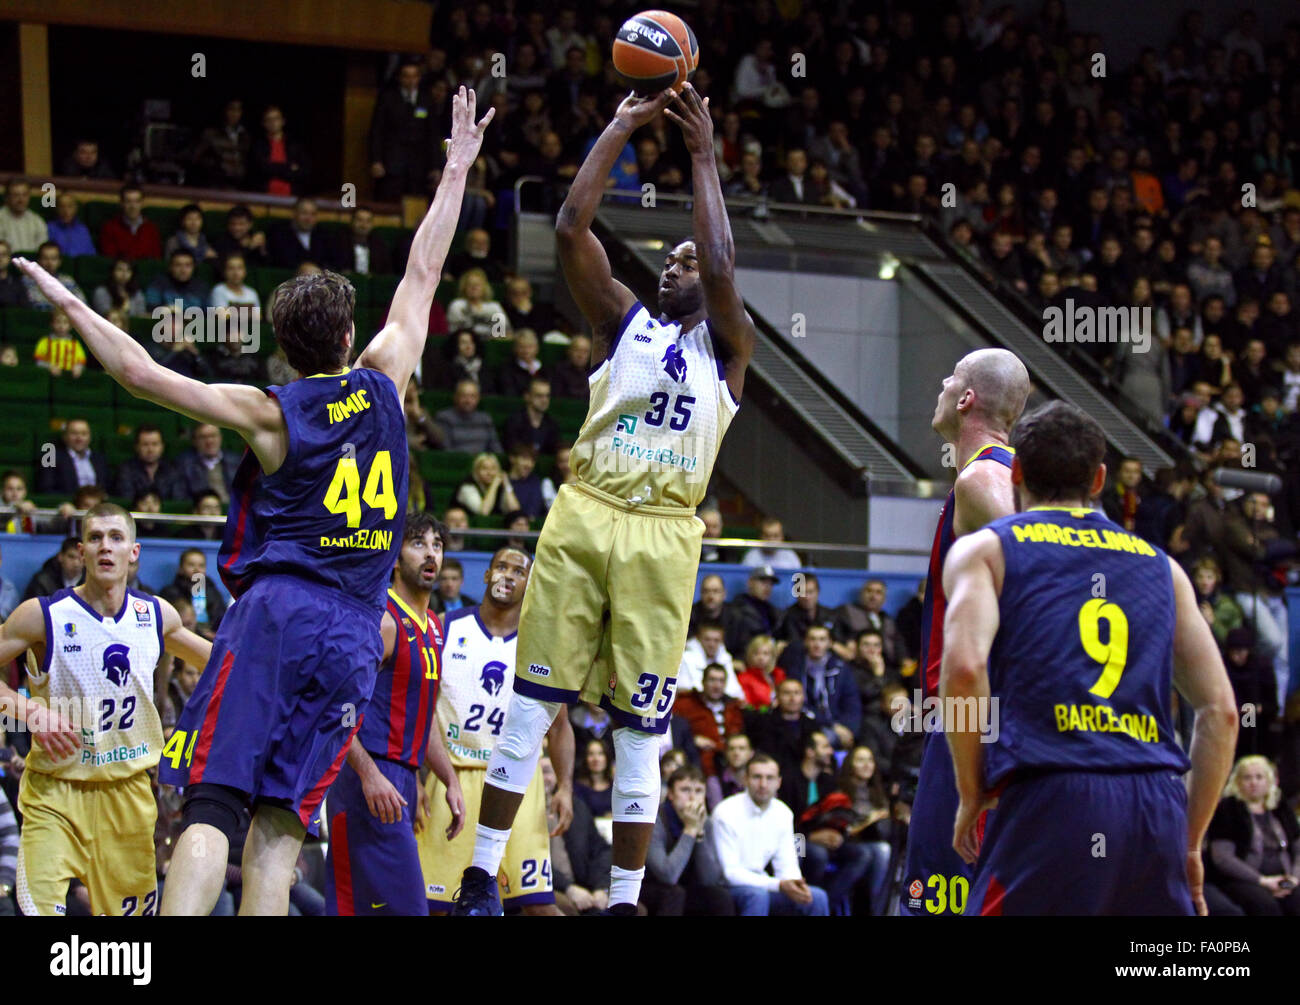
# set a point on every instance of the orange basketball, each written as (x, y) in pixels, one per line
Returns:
(654, 50)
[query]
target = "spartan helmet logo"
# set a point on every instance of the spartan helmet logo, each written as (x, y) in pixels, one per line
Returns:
(674, 363)
(117, 663)
(493, 677)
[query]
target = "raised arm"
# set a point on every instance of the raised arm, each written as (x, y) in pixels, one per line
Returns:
(1200, 677)
(714, 247)
(397, 349)
(971, 580)
(247, 410)
(602, 299)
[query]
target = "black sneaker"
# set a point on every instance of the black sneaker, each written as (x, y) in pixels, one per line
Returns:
(621, 910)
(477, 895)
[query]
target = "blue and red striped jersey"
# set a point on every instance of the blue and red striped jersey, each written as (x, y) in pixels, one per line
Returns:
(396, 722)
(935, 604)
(333, 511)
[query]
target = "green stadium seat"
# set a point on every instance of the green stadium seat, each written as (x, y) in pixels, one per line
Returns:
(499, 406)
(92, 271)
(446, 292)
(146, 269)
(18, 446)
(382, 288)
(102, 420)
(497, 352)
(167, 219)
(93, 387)
(361, 284)
(435, 401)
(117, 448)
(24, 384)
(96, 213)
(443, 467)
(48, 500)
(265, 279)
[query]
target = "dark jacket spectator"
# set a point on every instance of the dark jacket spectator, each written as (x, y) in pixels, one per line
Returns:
(214, 604)
(1249, 844)
(751, 614)
(193, 476)
(60, 571)
(402, 138)
(589, 854)
(286, 250)
(133, 477)
(832, 692)
(62, 476)
(280, 166)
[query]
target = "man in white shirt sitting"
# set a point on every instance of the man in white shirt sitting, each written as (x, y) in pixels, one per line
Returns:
(780, 558)
(704, 648)
(753, 830)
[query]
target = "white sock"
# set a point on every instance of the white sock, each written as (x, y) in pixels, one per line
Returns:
(489, 848)
(624, 885)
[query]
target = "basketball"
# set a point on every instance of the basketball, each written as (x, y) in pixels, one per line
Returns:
(654, 50)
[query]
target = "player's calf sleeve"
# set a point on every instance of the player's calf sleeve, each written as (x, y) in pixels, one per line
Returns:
(514, 761)
(635, 798)
(489, 848)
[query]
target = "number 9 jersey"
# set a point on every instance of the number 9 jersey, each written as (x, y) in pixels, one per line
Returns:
(333, 511)
(1082, 664)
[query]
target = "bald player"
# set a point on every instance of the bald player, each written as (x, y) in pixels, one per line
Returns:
(980, 402)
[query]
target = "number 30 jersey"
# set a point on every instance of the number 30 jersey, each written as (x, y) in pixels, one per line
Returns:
(1082, 664)
(477, 676)
(660, 406)
(333, 511)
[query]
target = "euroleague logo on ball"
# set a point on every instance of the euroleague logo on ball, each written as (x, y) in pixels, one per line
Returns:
(916, 889)
(654, 50)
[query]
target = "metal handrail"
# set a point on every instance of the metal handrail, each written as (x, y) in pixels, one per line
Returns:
(495, 532)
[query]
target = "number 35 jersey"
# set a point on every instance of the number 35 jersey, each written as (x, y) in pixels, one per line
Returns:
(477, 676)
(660, 406)
(333, 511)
(1082, 664)
(99, 672)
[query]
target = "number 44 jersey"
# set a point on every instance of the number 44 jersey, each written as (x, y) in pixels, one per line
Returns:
(477, 676)
(1082, 664)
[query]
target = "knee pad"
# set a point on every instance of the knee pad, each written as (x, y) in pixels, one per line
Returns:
(514, 761)
(635, 798)
(218, 806)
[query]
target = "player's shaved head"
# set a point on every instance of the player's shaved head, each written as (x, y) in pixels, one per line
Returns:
(1000, 382)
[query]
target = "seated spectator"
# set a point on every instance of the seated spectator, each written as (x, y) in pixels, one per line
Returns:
(221, 155)
(730, 779)
(871, 825)
(1253, 686)
(67, 522)
(467, 430)
(176, 351)
(9, 355)
(133, 582)
(189, 235)
(61, 571)
(232, 291)
(710, 714)
(580, 859)
(466, 362)
(178, 283)
(517, 520)
(75, 464)
(761, 676)
(562, 474)
(131, 235)
(831, 687)
(872, 672)
(477, 254)
(488, 489)
(69, 233)
(207, 503)
(60, 351)
(1252, 841)
(120, 292)
(569, 377)
(523, 367)
(748, 182)
(49, 258)
(20, 227)
(474, 309)
(780, 558)
(455, 518)
(754, 830)
(869, 612)
(805, 611)
(451, 577)
(148, 501)
(13, 492)
(240, 238)
(277, 164)
(13, 286)
(206, 465)
(682, 872)
(703, 648)
(1122, 499)
(523, 479)
(531, 424)
(1221, 610)
(292, 242)
(9, 598)
(366, 253)
(783, 730)
(147, 469)
(235, 361)
(593, 780)
(819, 815)
(85, 162)
(752, 613)
(712, 605)
(524, 313)
(421, 431)
(194, 584)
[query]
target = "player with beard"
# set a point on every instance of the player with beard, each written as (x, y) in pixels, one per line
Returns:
(472, 702)
(978, 405)
(373, 867)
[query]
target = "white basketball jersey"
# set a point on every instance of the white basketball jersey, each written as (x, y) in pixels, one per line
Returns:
(477, 680)
(660, 406)
(99, 671)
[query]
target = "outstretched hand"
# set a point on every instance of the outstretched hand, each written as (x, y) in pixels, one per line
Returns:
(466, 134)
(54, 291)
(636, 110)
(694, 118)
